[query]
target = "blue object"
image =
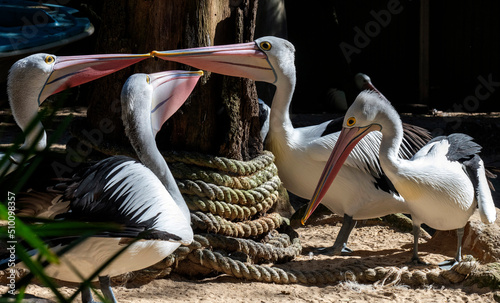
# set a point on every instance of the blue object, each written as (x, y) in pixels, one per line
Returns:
(29, 27)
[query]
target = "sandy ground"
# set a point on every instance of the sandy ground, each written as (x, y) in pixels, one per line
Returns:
(375, 244)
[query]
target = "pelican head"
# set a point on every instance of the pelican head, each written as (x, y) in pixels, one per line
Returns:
(362, 81)
(158, 96)
(34, 78)
(148, 100)
(364, 116)
(266, 59)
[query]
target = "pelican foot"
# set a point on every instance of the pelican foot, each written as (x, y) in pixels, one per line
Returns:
(106, 289)
(448, 264)
(417, 261)
(87, 296)
(334, 251)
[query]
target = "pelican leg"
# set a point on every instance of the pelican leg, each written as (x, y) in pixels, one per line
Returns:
(415, 259)
(460, 235)
(340, 245)
(448, 264)
(106, 289)
(87, 296)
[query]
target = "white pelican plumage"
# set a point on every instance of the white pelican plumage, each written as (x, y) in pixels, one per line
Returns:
(143, 196)
(34, 78)
(301, 153)
(264, 113)
(442, 183)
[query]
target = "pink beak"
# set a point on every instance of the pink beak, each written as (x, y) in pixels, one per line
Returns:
(170, 91)
(347, 140)
(368, 85)
(71, 71)
(237, 60)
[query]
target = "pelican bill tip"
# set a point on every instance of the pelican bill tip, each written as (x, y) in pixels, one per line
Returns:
(159, 54)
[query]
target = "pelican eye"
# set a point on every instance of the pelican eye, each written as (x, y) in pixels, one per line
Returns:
(265, 45)
(148, 79)
(49, 59)
(351, 121)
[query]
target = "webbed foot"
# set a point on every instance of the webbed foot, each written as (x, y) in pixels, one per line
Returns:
(339, 250)
(448, 264)
(418, 261)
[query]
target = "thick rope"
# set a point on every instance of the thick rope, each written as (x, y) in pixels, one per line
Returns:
(227, 210)
(184, 171)
(275, 247)
(379, 276)
(247, 197)
(245, 229)
(239, 168)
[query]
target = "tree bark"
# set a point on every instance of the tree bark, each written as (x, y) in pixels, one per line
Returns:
(221, 115)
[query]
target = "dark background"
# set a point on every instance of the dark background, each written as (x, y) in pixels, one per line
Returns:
(464, 46)
(464, 52)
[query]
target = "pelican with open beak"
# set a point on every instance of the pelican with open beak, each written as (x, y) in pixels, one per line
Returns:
(33, 79)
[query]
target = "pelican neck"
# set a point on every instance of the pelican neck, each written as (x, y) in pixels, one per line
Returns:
(143, 141)
(280, 108)
(392, 137)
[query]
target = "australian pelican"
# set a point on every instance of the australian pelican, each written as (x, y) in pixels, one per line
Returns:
(34, 78)
(301, 153)
(142, 196)
(442, 183)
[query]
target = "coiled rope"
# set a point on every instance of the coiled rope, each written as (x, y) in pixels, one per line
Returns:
(197, 253)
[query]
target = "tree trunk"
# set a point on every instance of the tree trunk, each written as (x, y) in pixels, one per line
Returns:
(221, 116)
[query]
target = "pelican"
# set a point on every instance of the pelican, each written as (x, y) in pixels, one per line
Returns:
(34, 78)
(442, 183)
(363, 82)
(301, 153)
(143, 196)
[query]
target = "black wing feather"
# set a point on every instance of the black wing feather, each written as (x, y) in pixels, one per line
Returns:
(462, 147)
(334, 126)
(91, 203)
